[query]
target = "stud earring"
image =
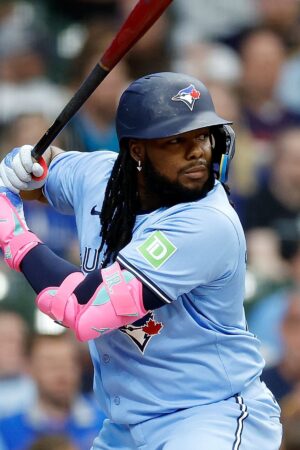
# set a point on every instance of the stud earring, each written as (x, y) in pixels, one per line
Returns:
(139, 166)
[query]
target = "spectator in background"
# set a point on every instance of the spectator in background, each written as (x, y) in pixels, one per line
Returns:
(53, 442)
(212, 62)
(283, 18)
(17, 389)
(283, 377)
(272, 218)
(245, 165)
(290, 407)
(203, 21)
(59, 231)
(152, 52)
(59, 408)
(263, 54)
(82, 10)
(271, 307)
(29, 126)
(289, 85)
(276, 204)
(25, 55)
(16, 297)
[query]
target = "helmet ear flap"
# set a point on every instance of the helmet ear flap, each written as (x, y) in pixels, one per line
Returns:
(224, 168)
(223, 151)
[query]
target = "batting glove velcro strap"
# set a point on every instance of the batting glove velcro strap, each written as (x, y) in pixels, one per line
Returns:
(19, 172)
(15, 238)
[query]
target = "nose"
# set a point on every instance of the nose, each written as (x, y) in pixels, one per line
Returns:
(195, 149)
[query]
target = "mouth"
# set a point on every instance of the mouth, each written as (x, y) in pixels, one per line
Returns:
(196, 171)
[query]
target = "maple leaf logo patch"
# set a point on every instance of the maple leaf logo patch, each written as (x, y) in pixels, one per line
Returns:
(142, 331)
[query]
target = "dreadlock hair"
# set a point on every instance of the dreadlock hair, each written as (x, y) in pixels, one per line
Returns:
(120, 204)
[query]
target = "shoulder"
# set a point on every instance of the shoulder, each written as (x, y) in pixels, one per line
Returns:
(83, 164)
(211, 213)
(100, 155)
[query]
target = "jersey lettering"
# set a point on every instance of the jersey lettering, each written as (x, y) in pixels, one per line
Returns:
(90, 259)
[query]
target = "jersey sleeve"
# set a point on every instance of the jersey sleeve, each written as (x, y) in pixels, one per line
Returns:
(184, 251)
(72, 173)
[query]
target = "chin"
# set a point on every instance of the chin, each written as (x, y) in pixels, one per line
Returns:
(195, 187)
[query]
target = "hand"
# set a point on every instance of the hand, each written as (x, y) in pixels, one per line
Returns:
(18, 170)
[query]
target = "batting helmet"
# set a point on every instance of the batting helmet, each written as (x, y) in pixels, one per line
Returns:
(166, 104)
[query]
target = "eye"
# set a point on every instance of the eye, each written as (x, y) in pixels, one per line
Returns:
(174, 141)
(202, 137)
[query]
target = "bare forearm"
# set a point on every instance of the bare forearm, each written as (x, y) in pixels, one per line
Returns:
(51, 153)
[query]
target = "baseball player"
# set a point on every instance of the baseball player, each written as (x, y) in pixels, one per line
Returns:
(159, 296)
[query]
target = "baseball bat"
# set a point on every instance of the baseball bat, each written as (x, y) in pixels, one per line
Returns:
(142, 17)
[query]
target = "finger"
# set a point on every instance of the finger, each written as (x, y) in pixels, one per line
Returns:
(19, 169)
(16, 182)
(3, 186)
(37, 170)
(11, 179)
(25, 156)
(30, 165)
(4, 181)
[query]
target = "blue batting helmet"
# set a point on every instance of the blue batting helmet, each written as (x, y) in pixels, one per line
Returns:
(166, 104)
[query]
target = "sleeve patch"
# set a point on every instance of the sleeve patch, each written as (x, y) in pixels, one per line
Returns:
(157, 249)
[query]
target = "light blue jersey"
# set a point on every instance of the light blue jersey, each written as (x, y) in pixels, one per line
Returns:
(196, 350)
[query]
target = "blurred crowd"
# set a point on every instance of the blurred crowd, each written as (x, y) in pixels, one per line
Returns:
(248, 54)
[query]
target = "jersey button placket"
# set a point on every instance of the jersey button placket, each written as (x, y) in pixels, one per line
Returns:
(117, 400)
(106, 358)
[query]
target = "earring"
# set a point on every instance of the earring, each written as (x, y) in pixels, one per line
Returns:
(139, 166)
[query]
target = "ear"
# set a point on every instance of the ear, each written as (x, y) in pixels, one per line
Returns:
(136, 149)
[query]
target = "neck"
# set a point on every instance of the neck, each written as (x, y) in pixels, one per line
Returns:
(53, 409)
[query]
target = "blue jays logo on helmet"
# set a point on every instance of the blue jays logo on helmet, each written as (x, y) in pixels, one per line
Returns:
(188, 95)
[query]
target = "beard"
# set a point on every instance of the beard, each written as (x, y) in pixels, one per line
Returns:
(171, 193)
